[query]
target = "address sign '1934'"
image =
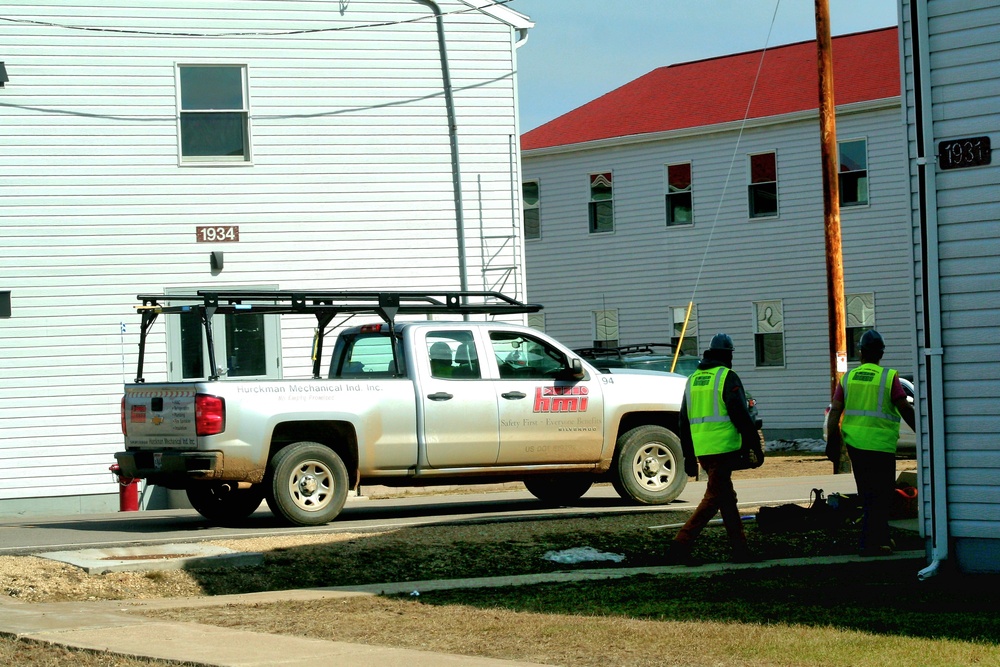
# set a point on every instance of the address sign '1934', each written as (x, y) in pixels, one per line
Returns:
(217, 233)
(959, 153)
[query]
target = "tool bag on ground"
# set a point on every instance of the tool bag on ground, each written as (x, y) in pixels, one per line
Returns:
(822, 514)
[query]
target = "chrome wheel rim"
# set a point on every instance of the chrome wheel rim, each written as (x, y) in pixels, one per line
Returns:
(653, 466)
(310, 486)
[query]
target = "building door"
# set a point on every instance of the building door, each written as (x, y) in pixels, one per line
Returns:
(247, 346)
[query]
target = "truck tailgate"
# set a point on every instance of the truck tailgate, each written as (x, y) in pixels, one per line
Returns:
(160, 417)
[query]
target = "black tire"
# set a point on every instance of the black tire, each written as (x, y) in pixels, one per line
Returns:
(649, 466)
(559, 489)
(223, 503)
(307, 484)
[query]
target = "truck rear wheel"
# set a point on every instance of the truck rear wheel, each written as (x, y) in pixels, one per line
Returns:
(559, 489)
(649, 466)
(220, 502)
(307, 484)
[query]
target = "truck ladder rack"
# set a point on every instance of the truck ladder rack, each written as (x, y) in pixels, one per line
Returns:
(323, 304)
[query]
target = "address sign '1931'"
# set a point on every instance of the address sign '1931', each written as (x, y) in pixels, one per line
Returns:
(217, 233)
(959, 153)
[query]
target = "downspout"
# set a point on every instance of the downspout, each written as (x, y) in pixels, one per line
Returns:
(931, 284)
(456, 174)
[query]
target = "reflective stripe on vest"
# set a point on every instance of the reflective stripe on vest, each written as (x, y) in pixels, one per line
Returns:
(871, 421)
(712, 432)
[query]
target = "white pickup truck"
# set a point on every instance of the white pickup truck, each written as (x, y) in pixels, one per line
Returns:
(405, 402)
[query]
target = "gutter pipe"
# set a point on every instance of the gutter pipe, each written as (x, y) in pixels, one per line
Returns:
(931, 284)
(456, 174)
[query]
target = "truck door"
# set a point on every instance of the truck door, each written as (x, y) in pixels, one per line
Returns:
(460, 417)
(543, 419)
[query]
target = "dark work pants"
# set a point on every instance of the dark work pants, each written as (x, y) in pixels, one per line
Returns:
(875, 476)
(720, 496)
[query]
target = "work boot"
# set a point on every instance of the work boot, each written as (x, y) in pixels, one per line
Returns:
(679, 553)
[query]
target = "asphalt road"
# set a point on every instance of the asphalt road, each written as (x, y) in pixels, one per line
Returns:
(32, 535)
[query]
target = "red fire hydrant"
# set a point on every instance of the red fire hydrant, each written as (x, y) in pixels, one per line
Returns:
(128, 490)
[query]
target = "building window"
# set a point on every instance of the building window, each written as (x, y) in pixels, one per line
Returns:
(853, 158)
(214, 116)
(689, 342)
(605, 328)
(860, 315)
(601, 208)
(769, 333)
(763, 188)
(537, 321)
(679, 194)
(532, 223)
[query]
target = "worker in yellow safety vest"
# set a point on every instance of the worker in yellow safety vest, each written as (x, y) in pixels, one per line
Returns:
(864, 414)
(716, 430)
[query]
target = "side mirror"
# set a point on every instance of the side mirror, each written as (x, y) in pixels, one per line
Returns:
(576, 369)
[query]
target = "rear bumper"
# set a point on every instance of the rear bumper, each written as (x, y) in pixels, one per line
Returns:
(170, 469)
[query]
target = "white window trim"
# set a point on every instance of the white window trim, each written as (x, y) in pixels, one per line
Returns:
(214, 161)
(784, 347)
(868, 175)
(537, 207)
(590, 200)
(667, 193)
(776, 181)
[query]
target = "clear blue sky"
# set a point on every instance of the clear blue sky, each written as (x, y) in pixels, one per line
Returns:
(581, 49)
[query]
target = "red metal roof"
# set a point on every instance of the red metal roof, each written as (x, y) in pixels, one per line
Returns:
(717, 90)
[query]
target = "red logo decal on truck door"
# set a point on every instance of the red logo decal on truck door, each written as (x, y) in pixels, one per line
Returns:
(561, 399)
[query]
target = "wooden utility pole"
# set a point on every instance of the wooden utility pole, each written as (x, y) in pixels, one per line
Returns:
(831, 210)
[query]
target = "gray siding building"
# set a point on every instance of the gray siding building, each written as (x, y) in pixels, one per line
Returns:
(701, 184)
(951, 84)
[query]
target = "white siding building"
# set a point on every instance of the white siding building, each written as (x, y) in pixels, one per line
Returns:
(679, 187)
(951, 79)
(292, 144)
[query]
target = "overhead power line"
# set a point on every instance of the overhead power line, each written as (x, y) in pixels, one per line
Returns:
(254, 33)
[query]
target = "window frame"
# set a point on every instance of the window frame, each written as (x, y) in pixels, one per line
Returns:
(761, 339)
(680, 194)
(865, 178)
(690, 344)
(755, 187)
(605, 323)
(853, 333)
(246, 158)
(536, 321)
(536, 207)
(593, 204)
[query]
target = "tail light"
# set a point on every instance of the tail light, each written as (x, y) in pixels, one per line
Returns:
(209, 414)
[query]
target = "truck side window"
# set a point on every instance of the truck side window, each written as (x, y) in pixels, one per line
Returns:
(452, 355)
(522, 357)
(365, 356)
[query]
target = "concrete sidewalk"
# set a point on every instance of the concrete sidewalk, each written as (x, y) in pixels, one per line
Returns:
(118, 627)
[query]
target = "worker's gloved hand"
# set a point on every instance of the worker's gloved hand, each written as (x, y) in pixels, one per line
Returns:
(691, 468)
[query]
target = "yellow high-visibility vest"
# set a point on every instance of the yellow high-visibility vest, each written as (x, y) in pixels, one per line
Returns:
(712, 432)
(871, 421)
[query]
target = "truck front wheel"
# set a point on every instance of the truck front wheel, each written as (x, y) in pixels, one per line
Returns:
(307, 484)
(220, 502)
(649, 466)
